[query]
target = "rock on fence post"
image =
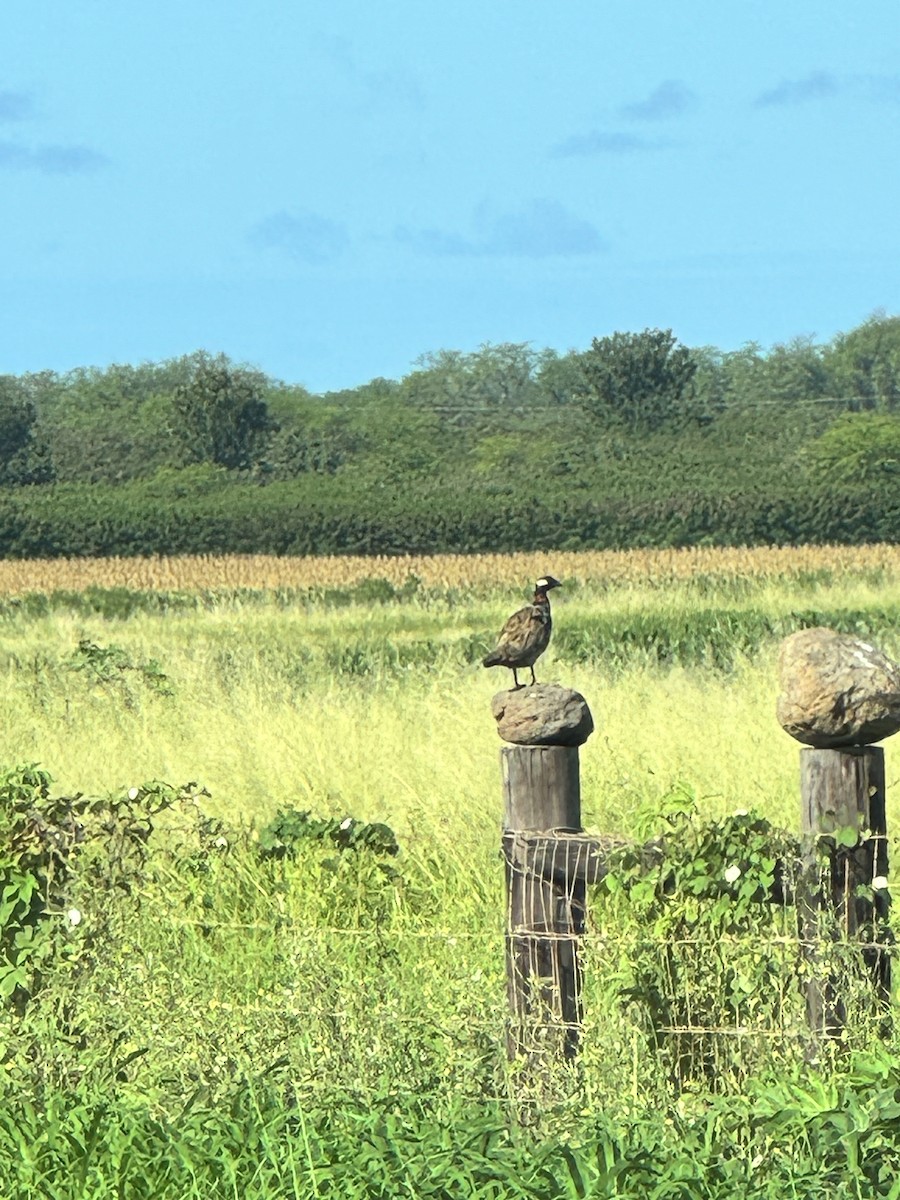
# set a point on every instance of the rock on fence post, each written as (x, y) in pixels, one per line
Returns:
(545, 725)
(838, 695)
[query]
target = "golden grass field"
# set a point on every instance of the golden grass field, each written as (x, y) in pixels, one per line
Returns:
(211, 572)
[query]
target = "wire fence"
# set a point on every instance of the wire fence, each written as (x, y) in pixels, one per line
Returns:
(664, 999)
(660, 969)
(688, 962)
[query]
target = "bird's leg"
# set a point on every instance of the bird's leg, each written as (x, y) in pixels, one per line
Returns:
(516, 680)
(533, 680)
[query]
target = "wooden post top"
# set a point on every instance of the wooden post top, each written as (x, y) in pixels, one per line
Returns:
(541, 788)
(842, 789)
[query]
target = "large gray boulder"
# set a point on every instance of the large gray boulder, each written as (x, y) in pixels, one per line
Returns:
(836, 690)
(543, 714)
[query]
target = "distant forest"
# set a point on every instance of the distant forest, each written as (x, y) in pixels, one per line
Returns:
(637, 440)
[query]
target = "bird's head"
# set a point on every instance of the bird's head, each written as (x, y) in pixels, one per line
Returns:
(545, 583)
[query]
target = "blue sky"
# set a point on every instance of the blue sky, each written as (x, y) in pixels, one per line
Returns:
(329, 190)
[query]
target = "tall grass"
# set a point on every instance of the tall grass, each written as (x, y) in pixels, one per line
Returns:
(365, 715)
(382, 708)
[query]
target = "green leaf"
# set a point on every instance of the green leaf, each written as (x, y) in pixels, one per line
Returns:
(846, 836)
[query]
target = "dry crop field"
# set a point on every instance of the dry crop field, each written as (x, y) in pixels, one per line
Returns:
(609, 567)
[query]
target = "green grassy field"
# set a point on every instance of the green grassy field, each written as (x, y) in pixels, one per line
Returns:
(227, 1020)
(381, 708)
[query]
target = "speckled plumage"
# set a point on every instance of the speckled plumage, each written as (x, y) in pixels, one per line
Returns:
(526, 635)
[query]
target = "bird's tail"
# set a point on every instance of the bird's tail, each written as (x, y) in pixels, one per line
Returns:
(493, 659)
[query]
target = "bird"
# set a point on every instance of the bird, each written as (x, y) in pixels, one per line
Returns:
(526, 635)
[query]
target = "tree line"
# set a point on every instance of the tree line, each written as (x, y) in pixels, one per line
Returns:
(637, 439)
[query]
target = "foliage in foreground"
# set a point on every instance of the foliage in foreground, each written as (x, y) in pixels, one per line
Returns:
(797, 1137)
(174, 1029)
(310, 1009)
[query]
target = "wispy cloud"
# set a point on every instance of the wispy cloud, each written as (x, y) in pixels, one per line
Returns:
(542, 229)
(670, 99)
(46, 159)
(821, 85)
(816, 86)
(598, 141)
(393, 86)
(50, 160)
(304, 236)
(16, 106)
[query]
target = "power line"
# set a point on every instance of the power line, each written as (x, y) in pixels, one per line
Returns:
(717, 406)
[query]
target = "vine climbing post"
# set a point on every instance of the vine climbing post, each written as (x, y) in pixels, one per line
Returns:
(844, 898)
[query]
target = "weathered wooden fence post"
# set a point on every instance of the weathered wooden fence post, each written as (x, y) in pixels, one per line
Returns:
(843, 897)
(545, 888)
(838, 696)
(544, 914)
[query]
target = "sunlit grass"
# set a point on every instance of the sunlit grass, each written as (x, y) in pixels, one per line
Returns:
(382, 710)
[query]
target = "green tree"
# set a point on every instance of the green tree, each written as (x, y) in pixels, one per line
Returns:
(315, 433)
(865, 364)
(24, 456)
(479, 390)
(221, 415)
(795, 370)
(859, 448)
(398, 441)
(559, 379)
(502, 376)
(740, 373)
(112, 424)
(639, 380)
(710, 383)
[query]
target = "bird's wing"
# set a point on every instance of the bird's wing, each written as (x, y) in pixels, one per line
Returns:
(519, 629)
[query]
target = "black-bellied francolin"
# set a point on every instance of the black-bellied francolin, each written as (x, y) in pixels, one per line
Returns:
(526, 635)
